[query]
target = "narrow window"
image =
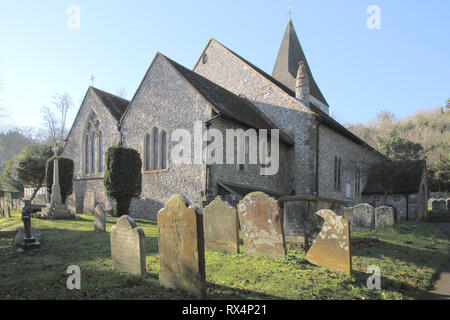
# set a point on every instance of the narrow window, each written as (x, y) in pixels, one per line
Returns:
(93, 143)
(100, 152)
(163, 150)
(147, 143)
(155, 147)
(86, 160)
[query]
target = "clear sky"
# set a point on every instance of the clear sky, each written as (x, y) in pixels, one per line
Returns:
(403, 67)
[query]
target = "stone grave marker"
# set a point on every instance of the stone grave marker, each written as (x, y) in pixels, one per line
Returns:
(89, 202)
(439, 205)
(331, 247)
(72, 203)
(99, 218)
(128, 247)
(384, 219)
(220, 226)
(348, 213)
(181, 247)
(363, 218)
(261, 226)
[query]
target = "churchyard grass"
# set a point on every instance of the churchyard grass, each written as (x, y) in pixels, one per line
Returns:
(409, 260)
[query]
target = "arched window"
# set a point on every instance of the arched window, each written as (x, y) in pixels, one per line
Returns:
(86, 159)
(147, 146)
(93, 146)
(163, 160)
(93, 152)
(155, 148)
(100, 152)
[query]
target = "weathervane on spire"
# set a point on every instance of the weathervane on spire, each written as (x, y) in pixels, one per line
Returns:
(92, 80)
(290, 11)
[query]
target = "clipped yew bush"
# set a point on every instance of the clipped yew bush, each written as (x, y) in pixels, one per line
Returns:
(123, 177)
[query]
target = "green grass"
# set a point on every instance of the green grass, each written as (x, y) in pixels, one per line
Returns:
(409, 260)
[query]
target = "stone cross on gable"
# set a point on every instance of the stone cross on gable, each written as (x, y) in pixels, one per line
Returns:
(290, 11)
(92, 80)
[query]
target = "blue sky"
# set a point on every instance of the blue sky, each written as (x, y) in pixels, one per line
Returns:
(402, 67)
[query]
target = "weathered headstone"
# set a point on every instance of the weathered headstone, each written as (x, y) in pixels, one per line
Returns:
(128, 247)
(181, 247)
(439, 205)
(348, 213)
(331, 248)
(99, 218)
(72, 203)
(363, 217)
(89, 202)
(384, 219)
(221, 228)
(261, 226)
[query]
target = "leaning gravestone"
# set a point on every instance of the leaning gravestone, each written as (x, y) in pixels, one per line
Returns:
(127, 247)
(363, 218)
(99, 218)
(261, 226)
(384, 219)
(221, 228)
(181, 247)
(331, 248)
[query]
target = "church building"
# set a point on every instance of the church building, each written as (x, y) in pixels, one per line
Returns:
(321, 163)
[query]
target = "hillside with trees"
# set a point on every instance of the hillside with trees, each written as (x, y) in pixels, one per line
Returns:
(423, 135)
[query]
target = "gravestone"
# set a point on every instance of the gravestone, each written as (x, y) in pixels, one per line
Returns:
(128, 247)
(221, 228)
(331, 247)
(261, 226)
(89, 202)
(72, 203)
(181, 247)
(384, 219)
(99, 218)
(439, 205)
(348, 213)
(363, 217)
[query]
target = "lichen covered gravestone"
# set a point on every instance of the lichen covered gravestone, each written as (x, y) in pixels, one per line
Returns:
(127, 247)
(181, 247)
(261, 226)
(99, 218)
(331, 248)
(221, 228)
(363, 217)
(384, 219)
(89, 202)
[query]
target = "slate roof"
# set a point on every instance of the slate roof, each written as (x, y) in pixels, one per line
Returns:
(321, 115)
(286, 65)
(230, 105)
(406, 178)
(115, 105)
